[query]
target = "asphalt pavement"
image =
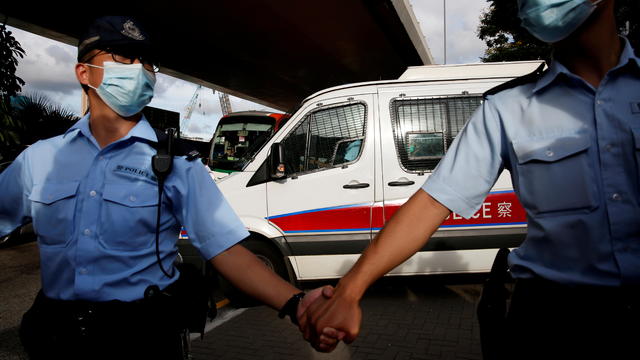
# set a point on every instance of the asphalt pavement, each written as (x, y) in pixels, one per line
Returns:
(403, 318)
(19, 284)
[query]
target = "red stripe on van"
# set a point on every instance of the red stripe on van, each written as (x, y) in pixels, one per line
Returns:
(498, 208)
(349, 218)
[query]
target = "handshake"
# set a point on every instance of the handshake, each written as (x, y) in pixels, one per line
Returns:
(327, 315)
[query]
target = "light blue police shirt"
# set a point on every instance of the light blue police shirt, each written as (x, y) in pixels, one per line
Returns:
(94, 212)
(574, 156)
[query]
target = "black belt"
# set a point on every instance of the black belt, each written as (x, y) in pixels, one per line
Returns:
(100, 330)
(591, 292)
(98, 306)
(84, 315)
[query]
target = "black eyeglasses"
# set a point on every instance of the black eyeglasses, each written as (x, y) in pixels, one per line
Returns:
(146, 63)
(149, 65)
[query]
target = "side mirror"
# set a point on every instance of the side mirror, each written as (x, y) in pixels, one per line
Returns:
(276, 161)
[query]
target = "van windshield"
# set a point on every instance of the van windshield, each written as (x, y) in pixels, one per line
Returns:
(236, 142)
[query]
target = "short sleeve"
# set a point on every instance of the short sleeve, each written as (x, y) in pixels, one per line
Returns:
(472, 164)
(15, 182)
(211, 223)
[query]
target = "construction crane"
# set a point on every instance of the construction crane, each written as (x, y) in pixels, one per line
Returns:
(188, 110)
(225, 104)
(196, 102)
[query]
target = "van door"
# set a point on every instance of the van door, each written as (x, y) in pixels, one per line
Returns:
(417, 126)
(417, 129)
(324, 205)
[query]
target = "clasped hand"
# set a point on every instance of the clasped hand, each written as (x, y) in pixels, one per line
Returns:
(325, 317)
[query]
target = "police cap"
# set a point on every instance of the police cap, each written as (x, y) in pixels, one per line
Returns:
(121, 35)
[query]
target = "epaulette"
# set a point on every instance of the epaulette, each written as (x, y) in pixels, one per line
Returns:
(525, 79)
(179, 147)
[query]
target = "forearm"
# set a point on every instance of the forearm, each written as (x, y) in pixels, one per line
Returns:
(247, 273)
(15, 206)
(406, 233)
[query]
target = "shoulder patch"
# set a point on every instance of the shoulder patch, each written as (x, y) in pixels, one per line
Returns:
(525, 79)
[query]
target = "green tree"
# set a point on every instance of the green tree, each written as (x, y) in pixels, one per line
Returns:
(10, 51)
(10, 85)
(36, 117)
(507, 41)
(24, 119)
(627, 14)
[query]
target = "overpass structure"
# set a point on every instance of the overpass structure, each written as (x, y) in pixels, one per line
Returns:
(273, 52)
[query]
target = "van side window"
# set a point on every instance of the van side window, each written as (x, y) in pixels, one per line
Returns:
(326, 138)
(423, 129)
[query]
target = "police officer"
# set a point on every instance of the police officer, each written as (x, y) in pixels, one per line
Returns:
(93, 198)
(570, 137)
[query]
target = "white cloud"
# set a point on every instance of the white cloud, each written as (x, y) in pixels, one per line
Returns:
(48, 68)
(463, 18)
(61, 55)
(171, 93)
(238, 104)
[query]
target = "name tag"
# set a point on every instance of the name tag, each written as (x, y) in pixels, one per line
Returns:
(135, 172)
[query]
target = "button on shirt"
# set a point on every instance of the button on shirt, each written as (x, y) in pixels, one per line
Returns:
(574, 153)
(94, 211)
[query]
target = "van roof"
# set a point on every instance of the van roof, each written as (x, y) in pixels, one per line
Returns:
(470, 71)
(458, 72)
(251, 113)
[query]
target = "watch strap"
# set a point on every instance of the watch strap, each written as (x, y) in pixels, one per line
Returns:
(291, 308)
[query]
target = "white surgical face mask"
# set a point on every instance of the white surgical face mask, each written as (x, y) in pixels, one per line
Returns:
(554, 20)
(125, 88)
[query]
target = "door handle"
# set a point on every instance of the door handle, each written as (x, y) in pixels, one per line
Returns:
(356, 186)
(401, 183)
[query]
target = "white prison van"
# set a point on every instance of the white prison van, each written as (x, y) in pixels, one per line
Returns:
(352, 156)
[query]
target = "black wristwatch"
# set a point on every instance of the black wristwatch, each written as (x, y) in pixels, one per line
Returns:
(291, 308)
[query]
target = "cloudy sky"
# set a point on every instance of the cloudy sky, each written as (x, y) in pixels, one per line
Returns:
(48, 67)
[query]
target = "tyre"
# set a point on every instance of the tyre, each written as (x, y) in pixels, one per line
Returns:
(270, 256)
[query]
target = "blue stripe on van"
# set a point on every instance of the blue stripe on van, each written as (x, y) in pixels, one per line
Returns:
(474, 225)
(317, 210)
(324, 230)
(348, 206)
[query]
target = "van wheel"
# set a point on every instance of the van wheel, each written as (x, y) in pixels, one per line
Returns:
(270, 257)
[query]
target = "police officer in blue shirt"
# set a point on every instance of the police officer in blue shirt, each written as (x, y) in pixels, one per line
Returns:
(93, 198)
(570, 137)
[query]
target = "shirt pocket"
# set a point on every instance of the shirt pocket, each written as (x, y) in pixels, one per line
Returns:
(52, 209)
(128, 218)
(556, 174)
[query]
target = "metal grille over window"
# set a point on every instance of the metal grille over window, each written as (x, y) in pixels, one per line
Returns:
(296, 145)
(424, 129)
(326, 138)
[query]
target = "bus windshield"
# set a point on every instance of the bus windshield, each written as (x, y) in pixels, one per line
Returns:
(236, 142)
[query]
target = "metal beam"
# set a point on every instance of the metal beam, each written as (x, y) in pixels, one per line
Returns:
(274, 52)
